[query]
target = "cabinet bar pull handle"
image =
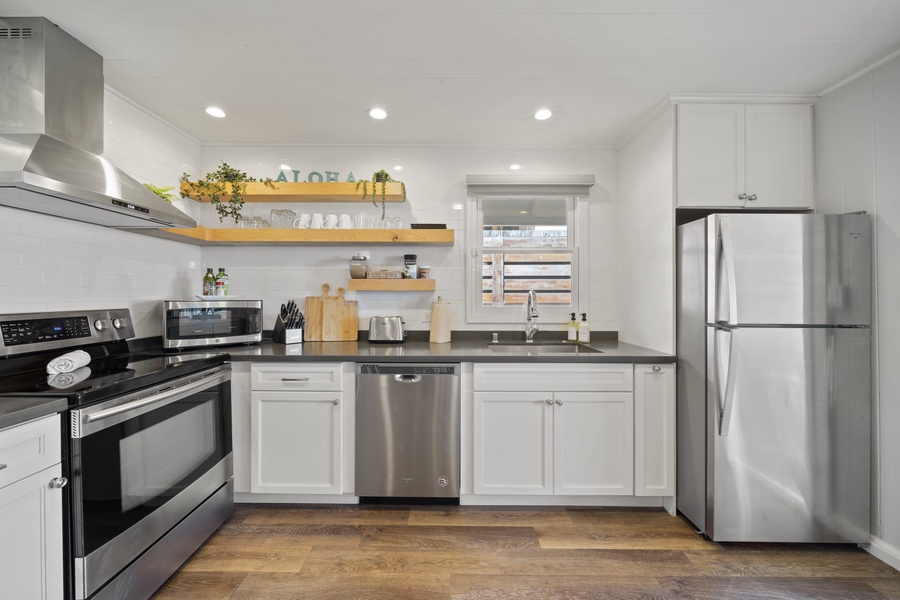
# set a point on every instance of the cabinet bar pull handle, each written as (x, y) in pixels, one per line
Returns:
(295, 378)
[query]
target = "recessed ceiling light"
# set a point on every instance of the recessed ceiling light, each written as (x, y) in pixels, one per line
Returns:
(515, 167)
(543, 114)
(523, 212)
(377, 113)
(215, 111)
(398, 167)
(285, 167)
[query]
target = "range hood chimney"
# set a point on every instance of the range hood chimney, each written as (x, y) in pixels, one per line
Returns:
(51, 134)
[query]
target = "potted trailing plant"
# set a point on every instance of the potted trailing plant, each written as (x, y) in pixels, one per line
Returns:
(162, 192)
(379, 177)
(216, 186)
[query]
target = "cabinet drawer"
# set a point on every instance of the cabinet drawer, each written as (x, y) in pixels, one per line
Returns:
(286, 377)
(28, 448)
(607, 377)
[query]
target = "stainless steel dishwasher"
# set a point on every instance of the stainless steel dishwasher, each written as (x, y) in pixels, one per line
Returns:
(407, 430)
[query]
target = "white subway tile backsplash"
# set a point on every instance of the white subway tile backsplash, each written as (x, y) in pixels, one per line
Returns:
(49, 264)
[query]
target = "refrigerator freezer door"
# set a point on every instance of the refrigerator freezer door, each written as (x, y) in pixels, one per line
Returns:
(791, 464)
(789, 269)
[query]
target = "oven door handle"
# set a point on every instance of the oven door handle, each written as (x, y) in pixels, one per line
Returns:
(96, 418)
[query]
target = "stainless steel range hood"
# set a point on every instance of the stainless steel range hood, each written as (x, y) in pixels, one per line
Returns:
(51, 134)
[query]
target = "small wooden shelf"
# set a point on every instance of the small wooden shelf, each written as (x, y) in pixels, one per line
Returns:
(391, 285)
(205, 236)
(330, 191)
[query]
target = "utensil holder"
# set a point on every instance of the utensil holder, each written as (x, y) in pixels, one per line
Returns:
(282, 335)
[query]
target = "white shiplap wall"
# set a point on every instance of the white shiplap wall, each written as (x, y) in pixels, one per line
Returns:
(48, 263)
(857, 158)
(435, 180)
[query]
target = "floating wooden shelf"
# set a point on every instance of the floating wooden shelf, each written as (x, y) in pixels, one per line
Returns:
(330, 191)
(205, 236)
(391, 285)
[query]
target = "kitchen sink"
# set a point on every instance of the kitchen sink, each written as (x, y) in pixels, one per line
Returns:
(542, 348)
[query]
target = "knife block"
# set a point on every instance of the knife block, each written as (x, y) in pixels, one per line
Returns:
(282, 335)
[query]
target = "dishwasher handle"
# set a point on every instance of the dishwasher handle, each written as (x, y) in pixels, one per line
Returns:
(407, 378)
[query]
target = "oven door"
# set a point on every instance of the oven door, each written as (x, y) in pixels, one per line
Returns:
(140, 464)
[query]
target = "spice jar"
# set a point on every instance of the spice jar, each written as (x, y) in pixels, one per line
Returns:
(358, 267)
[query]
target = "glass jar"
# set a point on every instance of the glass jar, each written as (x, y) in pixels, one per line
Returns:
(358, 267)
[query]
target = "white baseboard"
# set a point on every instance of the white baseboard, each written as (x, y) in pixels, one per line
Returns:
(614, 501)
(884, 552)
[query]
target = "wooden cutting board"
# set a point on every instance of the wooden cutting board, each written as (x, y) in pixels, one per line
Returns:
(340, 319)
(313, 314)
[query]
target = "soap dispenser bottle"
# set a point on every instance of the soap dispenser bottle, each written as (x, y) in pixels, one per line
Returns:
(584, 330)
(572, 329)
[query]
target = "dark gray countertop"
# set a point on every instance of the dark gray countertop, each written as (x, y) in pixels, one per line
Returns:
(15, 411)
(455, 351)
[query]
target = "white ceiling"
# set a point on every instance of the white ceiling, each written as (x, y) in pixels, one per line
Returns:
(460, 72)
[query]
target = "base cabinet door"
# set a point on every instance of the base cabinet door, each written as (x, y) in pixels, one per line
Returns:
(296, 442)
(654, 414)
(31, 537)
(593, 443)
(513, 448)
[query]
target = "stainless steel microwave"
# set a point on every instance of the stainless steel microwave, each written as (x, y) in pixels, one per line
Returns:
(192, 323)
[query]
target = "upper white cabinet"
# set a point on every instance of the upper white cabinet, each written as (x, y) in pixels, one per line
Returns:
(744, 156)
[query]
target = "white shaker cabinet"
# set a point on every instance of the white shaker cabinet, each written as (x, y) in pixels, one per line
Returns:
(31, 552)
(296, 428)
(553, 429)
(744, 156)
(654, 430)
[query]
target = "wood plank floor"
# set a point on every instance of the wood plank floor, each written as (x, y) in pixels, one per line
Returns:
(468, 553)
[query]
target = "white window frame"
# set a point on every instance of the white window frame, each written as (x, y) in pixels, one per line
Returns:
(577, 217)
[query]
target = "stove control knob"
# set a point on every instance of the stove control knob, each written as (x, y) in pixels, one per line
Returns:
(99, 324)
(119, 323)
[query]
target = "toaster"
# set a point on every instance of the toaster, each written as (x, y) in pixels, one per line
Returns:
(387, 330)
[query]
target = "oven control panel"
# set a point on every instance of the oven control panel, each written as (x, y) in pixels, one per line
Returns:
(44, 331)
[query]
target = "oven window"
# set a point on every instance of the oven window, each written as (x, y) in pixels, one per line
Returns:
(128, 470)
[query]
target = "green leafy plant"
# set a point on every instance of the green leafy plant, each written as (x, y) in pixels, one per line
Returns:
(162, 192)
(215, 186)
(379, 177)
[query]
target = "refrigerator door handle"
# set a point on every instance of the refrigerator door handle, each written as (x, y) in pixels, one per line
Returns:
(726, 252)
(725, 360)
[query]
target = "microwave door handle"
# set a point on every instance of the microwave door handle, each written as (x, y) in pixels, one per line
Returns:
(91, 420)
(725, 401)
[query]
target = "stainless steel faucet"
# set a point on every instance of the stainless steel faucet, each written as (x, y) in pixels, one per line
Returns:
(531, 315)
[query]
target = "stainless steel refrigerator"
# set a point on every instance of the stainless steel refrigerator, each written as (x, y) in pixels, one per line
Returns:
(773, 397)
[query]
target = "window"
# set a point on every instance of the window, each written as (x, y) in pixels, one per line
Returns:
(522, 243)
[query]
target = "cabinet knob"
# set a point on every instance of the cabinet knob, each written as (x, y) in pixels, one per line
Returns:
(751, 197)
(336, 402)
(549, 402)
(742, 197)
(656, 369)
(58, 482)
(559, 402)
